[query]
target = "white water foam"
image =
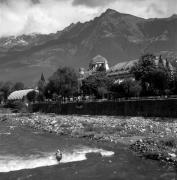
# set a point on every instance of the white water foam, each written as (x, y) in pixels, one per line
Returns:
(5, 133)
(14, 163)
(103, 152)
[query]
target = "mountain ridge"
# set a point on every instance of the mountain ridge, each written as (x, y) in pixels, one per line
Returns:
(116, 36)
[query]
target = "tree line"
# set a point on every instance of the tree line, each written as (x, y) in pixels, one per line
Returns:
(147, 79)
(7, 87)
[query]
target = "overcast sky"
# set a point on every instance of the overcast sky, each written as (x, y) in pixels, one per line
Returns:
(46, 16)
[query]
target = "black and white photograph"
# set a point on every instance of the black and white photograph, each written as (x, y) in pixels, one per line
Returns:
(88, 89)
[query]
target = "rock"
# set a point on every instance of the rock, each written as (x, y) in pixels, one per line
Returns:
(172, 155)
(152, 155)
(4, 118)
(140, 140)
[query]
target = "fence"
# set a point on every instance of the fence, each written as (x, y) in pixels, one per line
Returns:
(146, 107)
(46, 107)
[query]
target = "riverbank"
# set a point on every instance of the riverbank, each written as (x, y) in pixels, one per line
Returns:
(153, 138)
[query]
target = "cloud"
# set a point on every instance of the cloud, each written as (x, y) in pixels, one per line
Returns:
(142, 8)
(35, 1)
(146, 8)
(39, 16)
(154, 9)
(93, 3)
(8, 2)
(48, 16)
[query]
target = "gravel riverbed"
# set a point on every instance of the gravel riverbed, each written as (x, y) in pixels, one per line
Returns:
(153, 138)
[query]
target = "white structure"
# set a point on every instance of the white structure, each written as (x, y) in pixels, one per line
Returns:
(20, 95)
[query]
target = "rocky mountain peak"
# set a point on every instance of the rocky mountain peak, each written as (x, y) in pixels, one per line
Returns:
(110, 12)
(116, 36)
(174, 16)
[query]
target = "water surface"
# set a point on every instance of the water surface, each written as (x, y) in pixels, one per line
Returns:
(30, 154)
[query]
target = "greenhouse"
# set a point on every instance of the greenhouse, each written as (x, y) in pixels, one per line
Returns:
(19, 95)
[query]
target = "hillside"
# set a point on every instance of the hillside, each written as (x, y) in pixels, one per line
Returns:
(118, 37)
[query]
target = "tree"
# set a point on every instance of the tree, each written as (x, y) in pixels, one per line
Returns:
(41, 87)
(6, 89)
(41, 84)
(144, 67)
(160, 81)
(153, 78)
(64, 82)
(173, 85)
(118, 90)
(97, 84)
(133, 88)
(102, 91)
(127, 88)
(31, 96)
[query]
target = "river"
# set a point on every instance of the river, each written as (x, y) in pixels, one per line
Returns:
(30, 154)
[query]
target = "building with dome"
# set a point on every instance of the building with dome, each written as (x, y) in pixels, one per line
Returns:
(122, 70)
(98, 63)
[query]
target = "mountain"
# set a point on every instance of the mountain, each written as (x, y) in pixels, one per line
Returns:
(116, 36)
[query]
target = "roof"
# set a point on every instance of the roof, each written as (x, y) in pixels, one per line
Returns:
(98, 59)
(123, 66)
(126, 66)
(18, 95)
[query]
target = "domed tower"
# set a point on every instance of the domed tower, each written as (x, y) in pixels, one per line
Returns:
(99, 63)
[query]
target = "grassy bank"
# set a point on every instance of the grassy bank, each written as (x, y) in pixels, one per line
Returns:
(153, 138)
